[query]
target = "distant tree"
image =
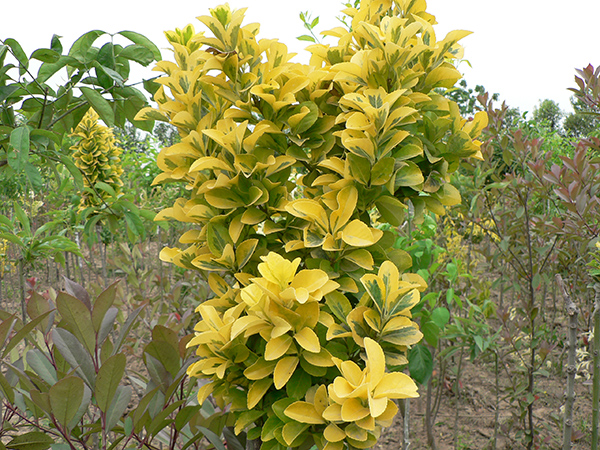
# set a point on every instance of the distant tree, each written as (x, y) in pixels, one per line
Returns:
(583, 121)
(549, 114)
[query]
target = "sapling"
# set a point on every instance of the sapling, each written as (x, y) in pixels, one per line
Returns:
(293, 171)
(572, 312)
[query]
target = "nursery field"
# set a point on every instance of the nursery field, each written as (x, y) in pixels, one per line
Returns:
(251, 253)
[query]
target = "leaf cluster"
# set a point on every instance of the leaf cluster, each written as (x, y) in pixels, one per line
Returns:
(75, 383)
(291, 171)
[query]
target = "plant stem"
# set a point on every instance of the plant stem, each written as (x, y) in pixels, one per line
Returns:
(405, 409)
(572, 312)
(428, 418)
(497, 414)
(22, 289)
(457, 386)
(596, 362)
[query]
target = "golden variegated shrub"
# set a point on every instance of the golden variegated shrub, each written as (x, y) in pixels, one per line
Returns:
(98, 157)
(291, 171)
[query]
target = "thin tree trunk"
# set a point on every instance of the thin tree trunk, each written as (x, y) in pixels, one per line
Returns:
(458, 392)
(22, 289)
(428, 419)
(405, 410)
(596, 362)
(572, 312)
(497, 414)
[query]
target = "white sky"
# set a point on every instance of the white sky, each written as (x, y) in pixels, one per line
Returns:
(526, 50)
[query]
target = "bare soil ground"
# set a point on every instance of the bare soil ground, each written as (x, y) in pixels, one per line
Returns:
(468, 422)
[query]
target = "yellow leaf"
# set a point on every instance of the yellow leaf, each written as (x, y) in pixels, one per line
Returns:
(389, 274)
(400, 330)
(352, 373)
(217, 284)
(304, 412)
(321, 359)
(310, 279)
(308, 340)
(209, 163)
(376, 289)
(353, 410)
(333, 433)
(377, 406)
(283, 370)
(205, 390)
(277, 347)
(395, 385)
(358, 234)
(259, 370)
(291, 431)
(320, 400)
(353, 431)
(346, 199)
(310, 210)
(257, 391)
(443, 76)
(333, 413)
(248, 324)
(387, 417)
(375, 362)
(278, 270)
(448, 195)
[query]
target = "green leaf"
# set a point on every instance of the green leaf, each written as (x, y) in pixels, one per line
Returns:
(108, 379)
(19, 148)
(18, 53)
(7, 389)
(217, 237)
(73, 352)
(33, 173)
(102, 304)
(100, 105)
(184, 416)
(391, 209)
(65, 399)
(55, 44)
(45, 55)
(382, 171)
(82, 45)
(73, 169)
(33, 440)
(165, 354)
(7, 91)
(22, 333)
(138, 53)
(22, 218)
(46, 70)
(142, 40)
(299, 383)
(420, 363)
(244, 252)
(306, 37)
(77, 317)
(106, 188)
(118, 406)
(360, 168)
(440, 316)
(126, 328)
(42, 366)
(408, 175)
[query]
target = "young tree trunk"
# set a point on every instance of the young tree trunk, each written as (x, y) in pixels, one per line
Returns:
(405, 410)
(572, 312)
(596, 362)
(22, 289)
(429, 419)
